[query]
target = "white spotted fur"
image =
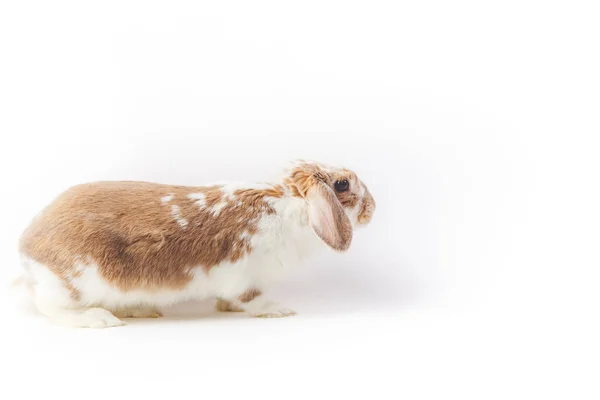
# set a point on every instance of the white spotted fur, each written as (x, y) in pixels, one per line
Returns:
(200, 199)
(176, 213)
(167, 198)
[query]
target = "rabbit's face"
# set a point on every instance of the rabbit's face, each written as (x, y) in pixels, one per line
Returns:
(330, 191)
(353, 195)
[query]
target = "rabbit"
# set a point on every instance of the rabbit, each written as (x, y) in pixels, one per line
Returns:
(123, 249)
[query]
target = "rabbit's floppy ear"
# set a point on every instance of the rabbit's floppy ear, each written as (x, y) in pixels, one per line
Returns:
(327, 217)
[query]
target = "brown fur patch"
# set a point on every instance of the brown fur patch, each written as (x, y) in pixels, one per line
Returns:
(249, 295)
(350, 197)
(305, 175)
(226, 306)
(128, 230)
(367, 207)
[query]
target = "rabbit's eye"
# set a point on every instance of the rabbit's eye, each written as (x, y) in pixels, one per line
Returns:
(341, 186)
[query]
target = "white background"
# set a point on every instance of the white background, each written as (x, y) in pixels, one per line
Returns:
(475, 125)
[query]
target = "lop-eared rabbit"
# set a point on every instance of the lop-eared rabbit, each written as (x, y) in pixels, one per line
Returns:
(109, 250)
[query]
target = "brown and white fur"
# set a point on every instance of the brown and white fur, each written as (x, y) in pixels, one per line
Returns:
(107, 250)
